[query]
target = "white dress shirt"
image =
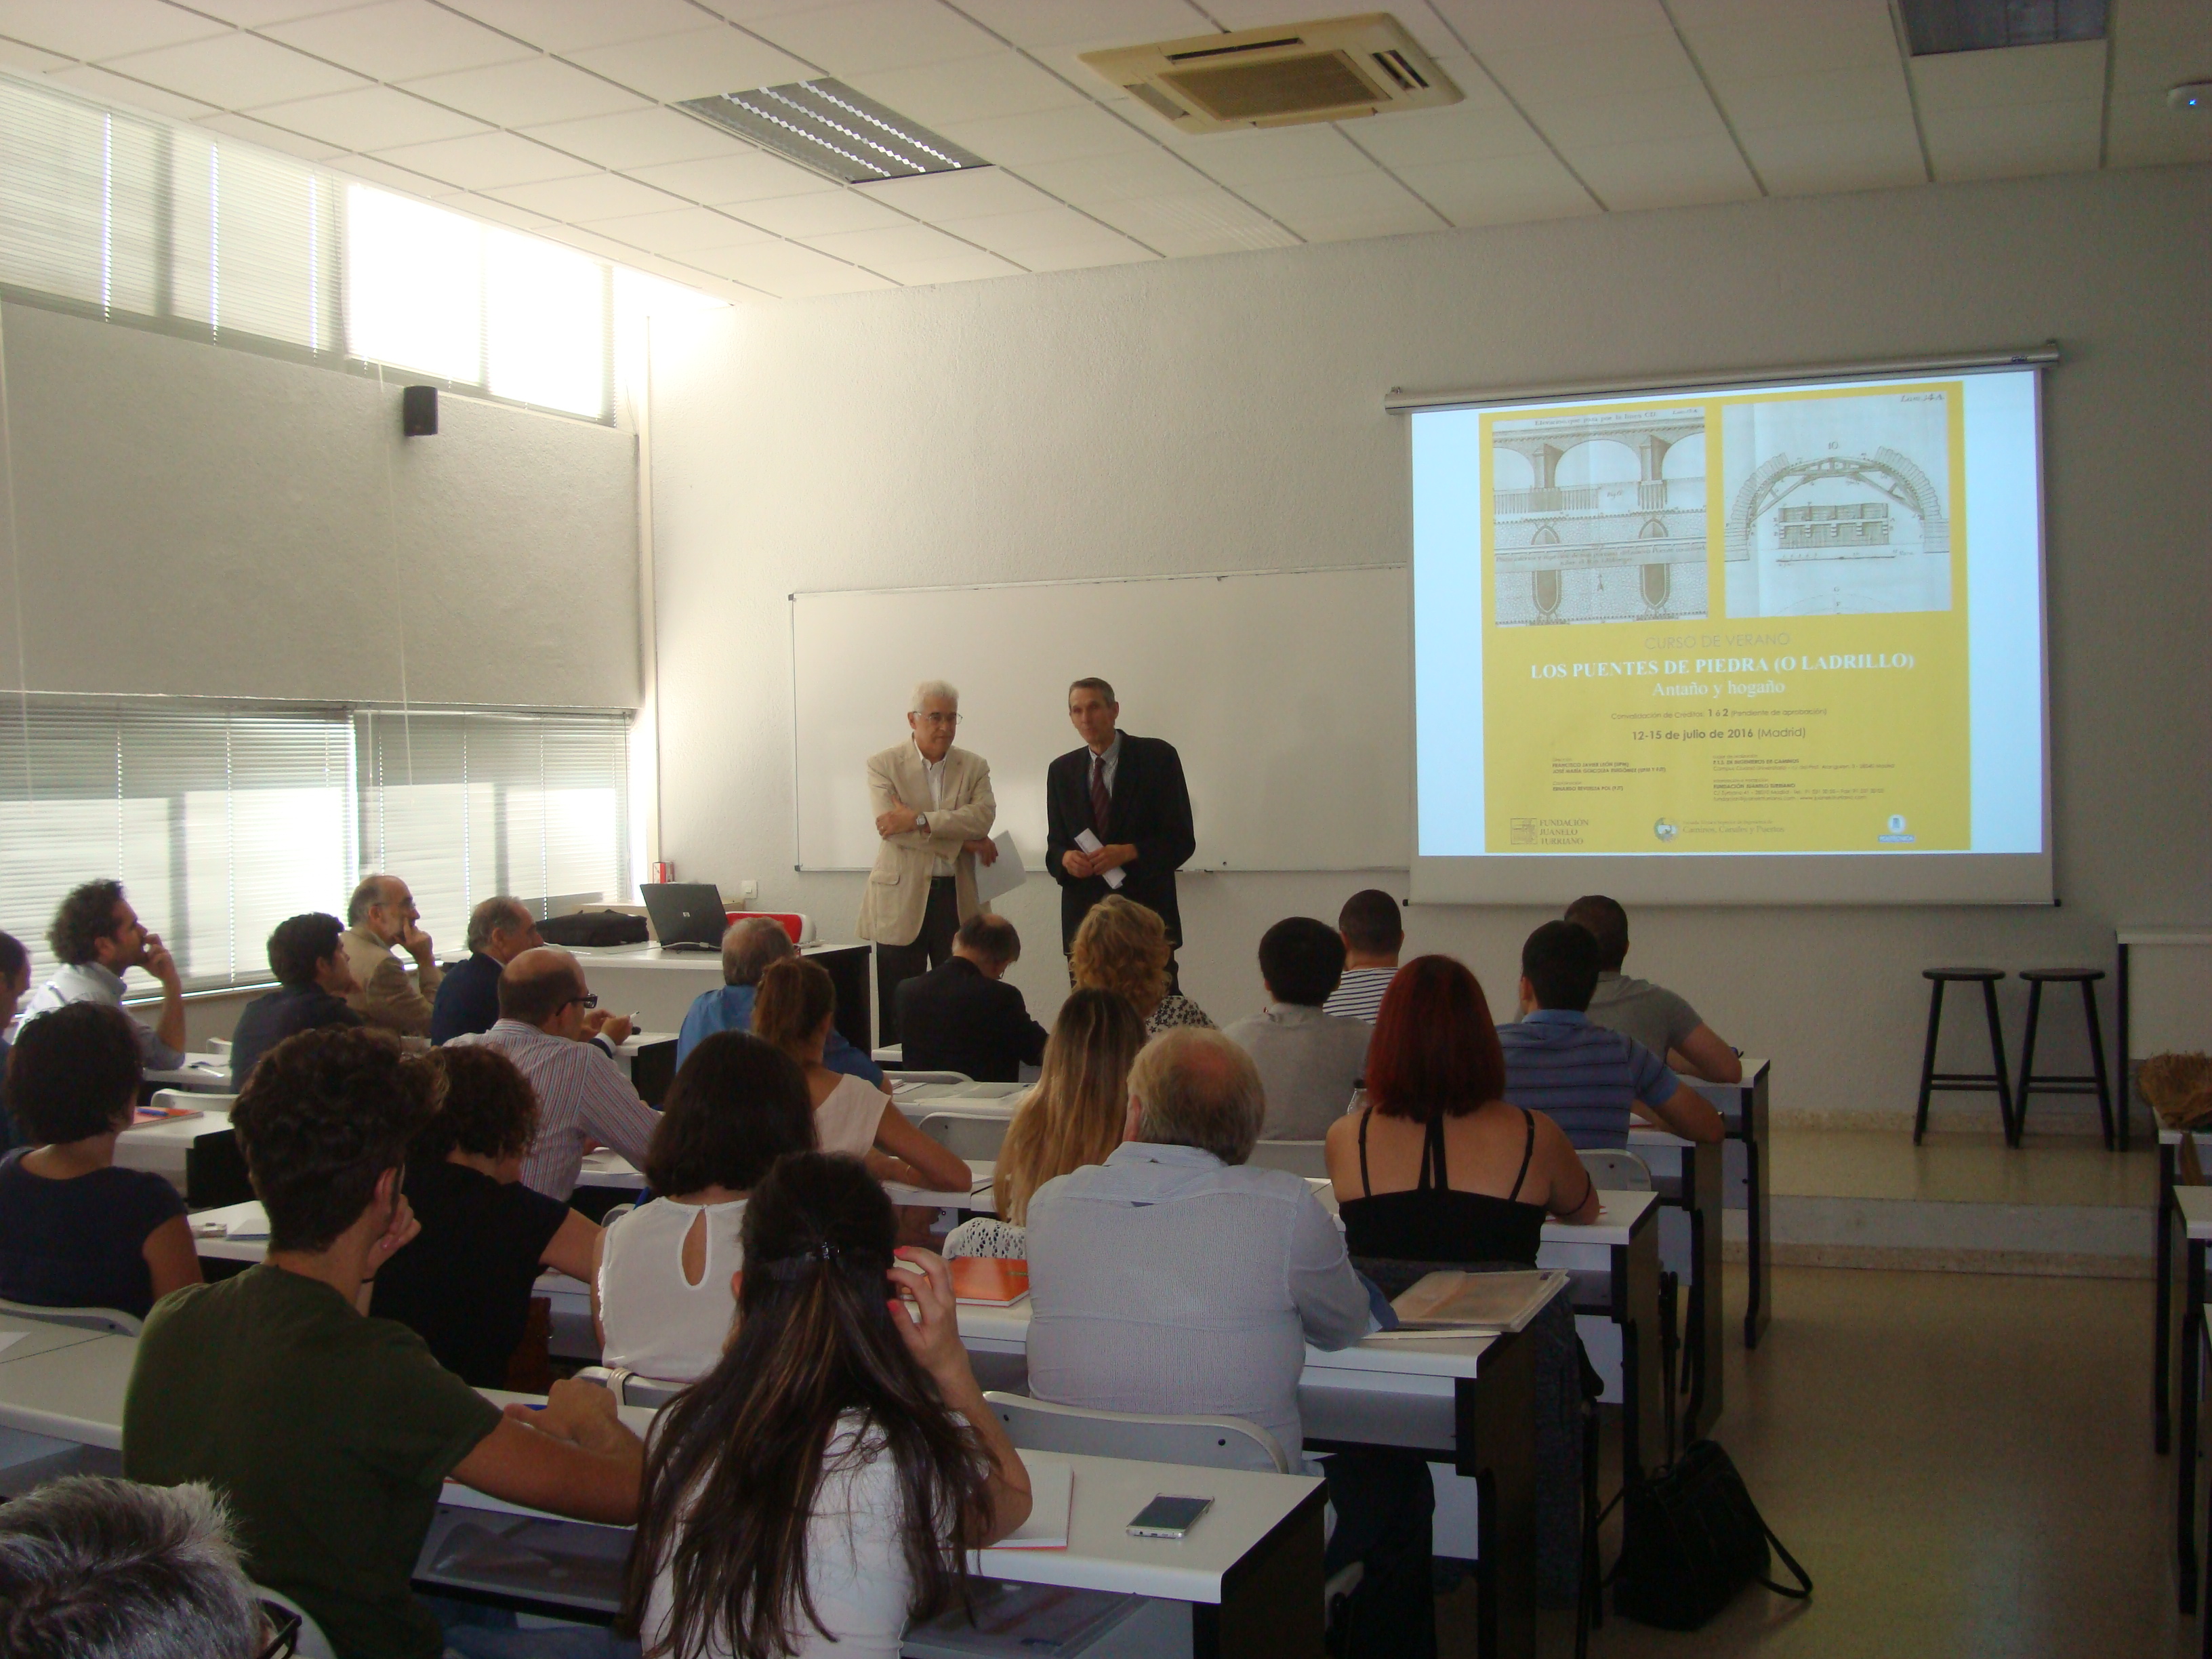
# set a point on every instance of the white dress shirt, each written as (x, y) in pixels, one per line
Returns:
(88, 982)
(582, 1094)
(934, 771)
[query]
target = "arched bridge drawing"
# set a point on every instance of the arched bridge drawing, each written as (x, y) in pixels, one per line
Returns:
(1829, 510)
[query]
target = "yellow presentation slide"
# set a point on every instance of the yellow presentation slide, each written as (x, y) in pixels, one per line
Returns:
(1727, 622)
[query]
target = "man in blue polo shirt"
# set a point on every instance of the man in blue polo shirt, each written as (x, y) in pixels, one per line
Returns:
(1588, 1080)
(747, 950)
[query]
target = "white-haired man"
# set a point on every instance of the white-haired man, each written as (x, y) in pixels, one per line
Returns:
(934, 815)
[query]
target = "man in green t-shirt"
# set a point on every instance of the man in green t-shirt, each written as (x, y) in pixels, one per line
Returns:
(329, 1432)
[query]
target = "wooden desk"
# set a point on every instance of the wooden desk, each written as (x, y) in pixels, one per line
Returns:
(660, 985)
(1743, 1108)
(1688, 1176)
(2194, 1204)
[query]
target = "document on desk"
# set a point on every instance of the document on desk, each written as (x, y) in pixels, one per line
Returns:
(992, 880)
(1449, 1301)
(9, 1338)
(1091, 843)
(1051, 1496)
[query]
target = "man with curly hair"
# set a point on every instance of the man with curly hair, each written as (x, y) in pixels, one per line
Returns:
(98, 939)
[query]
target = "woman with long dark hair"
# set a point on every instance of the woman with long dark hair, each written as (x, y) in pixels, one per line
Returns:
(823, 1483)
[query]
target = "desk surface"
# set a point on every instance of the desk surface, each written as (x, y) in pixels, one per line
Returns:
(654, 956)
(2190, 937)
(2194, 1203)
(69, 1388)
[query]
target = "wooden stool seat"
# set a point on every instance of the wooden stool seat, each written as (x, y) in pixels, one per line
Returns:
(2094, 1081)
(2062, 975)
(1965, 1083)
(1978, 975)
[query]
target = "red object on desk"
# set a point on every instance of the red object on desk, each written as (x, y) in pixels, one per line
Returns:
(146, 1115)
(989, 1281)
(790, 922)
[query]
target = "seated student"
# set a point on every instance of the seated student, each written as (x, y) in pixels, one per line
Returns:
(1309, 1061)
(1585, 1078)
(464, 1285)
(1438, 1171)
(98, 939)
(501, 928)
(1373, 933)
(1653, 1015)
(15, 985)
(749, 945)
(962, 1016)
(75, 1230)
(1123, 946)
(90, 1565)
(796, 1009)
(845, 1398)
(332, 1433)
(1174, 1277)
(314, 978)
(665, 1294)
(1073, 1117)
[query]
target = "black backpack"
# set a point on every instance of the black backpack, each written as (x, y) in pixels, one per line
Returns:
(591, 928)
(1691, 1538)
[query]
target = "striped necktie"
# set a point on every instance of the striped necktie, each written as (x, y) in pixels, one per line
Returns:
(1100, 801)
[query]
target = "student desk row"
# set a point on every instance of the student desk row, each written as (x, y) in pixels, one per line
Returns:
(2167, 1220)
(1747, 1183)
(659, 985)
(1249, 1573)
(2193, 1207)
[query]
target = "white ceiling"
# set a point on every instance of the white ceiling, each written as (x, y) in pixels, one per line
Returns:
(551, 115)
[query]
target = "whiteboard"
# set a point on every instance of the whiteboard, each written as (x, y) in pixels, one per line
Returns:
(1288, 694)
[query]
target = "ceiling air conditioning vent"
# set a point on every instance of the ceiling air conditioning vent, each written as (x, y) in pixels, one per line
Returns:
(1335, 70)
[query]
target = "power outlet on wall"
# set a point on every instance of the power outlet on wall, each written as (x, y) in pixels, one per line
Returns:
(747, 893)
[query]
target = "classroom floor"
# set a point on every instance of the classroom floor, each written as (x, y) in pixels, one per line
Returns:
(1962, 1461)
(1959, 1166)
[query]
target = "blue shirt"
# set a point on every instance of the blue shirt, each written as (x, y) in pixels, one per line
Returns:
(1581, 1076)
(81, 1243)
(731, 1009)
(468, 999)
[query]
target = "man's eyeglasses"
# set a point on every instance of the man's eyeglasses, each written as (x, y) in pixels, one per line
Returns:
(588, 1001)
(937, 719)
(284, 1627)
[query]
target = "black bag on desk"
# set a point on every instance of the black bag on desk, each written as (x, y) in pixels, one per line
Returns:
(591, 928)
(1691, 1538)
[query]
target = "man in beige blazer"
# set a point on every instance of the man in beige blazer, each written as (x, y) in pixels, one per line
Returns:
(381, 914)
(934, 811)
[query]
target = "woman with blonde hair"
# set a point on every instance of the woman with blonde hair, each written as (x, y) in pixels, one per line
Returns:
(1122, 947)
(1073, 1117)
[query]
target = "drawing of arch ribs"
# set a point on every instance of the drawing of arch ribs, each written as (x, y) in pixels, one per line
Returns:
(1894, 475)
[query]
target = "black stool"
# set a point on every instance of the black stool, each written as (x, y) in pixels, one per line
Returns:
(1965, 1083)
(2068, 1083)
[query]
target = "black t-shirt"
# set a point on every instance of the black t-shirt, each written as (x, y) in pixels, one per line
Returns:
(80, 1242)
(462, 1284)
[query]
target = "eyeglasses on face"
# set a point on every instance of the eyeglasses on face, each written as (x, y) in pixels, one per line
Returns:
(284, 1630)
(587, 999)
(935, 719)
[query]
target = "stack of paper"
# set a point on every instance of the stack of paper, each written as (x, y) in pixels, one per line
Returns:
(1091, 843)
(1454, 1301)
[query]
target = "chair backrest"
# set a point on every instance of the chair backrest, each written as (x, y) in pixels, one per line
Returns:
(966, 1137)
(800, 927)
(311, 1643)
(631, 1389)
(1212, 1443)
(214, 1172)
(192, 1100)
(1301, 1158)
(898, 1078)
(1617, 1171)
(113, 1320)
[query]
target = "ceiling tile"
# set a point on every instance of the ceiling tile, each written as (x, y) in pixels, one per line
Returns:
(1253, 157)
(2010, 78)
(875, 35)
(969, 265)
(2153, 46)
(1500, 189)
(234, 71)
(678, 230)
(88, 82)
(101, 28)
(970, 89)
(595, 196)
(1483, 124)
(526, 94)
(486, 161)
(399, 40)
(1018, 235)
(374, 117)
(588, 241)
(818, 216)
(1816, 156)
(1666, 172)
(1115, 177)
(788, 270)
(749, 176)
(565, 26)
(2012, 143)
(1843, 34)
(405, 180)
(1818, 99)
(1053, 135)
(1337, 210)
(1206, 220)
(258, 13)
(697, 63)
(498, 212)
(639, 138)
(29, 60)
(1079, 256)
(873, 248)
(971, 193)
(1089, 23)
(1489, 27)
(260, 132)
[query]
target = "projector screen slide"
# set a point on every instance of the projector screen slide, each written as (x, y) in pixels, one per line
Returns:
(1765, 643)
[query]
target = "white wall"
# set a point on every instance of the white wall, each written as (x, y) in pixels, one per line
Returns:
(194, 520)
(1226, 413)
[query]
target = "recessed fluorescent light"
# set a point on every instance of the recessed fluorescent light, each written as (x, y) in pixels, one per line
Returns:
(1936, 27)
(826, 126)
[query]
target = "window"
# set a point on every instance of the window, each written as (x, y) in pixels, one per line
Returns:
(131, 218)
(221, 820)
(465, 805)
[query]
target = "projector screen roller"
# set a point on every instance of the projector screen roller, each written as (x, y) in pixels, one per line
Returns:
(1772, 643)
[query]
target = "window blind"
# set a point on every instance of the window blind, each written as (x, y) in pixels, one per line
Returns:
(219, 822)
(463, 805)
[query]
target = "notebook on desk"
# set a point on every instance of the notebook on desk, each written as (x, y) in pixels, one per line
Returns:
(1450, 1301)
(986, 1281)
(146, 1115)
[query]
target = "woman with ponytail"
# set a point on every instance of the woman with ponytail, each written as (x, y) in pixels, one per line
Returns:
(823, 1484)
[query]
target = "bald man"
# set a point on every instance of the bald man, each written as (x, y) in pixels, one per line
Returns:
(381, 914)
(550, 1027)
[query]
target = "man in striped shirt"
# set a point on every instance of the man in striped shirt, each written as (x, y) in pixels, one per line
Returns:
(1372, 935)
(547, 1027)
(1588, 1080)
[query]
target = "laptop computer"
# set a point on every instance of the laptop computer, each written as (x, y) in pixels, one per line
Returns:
(687, 916)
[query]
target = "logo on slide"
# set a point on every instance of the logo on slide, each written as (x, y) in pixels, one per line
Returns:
(1666, 830)
(1896, 835)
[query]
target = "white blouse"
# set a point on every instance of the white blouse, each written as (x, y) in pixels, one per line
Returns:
(658, 1322)
(845, 1121)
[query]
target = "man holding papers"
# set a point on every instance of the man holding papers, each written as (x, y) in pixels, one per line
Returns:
(1117, 816)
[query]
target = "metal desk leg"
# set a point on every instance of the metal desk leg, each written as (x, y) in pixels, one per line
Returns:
(2185, 1460)
(2162, 1272)
(1271, 1605)
(1495, 1432)
(2126, 1078)
(1757, 1292)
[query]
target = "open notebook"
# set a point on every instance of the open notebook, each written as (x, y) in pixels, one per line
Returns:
(1451, 1301)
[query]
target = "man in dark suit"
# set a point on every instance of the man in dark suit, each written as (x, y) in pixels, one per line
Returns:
(962, 1017)
(1128, 791)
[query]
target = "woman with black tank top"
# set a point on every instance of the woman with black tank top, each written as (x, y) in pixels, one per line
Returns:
(1435, 1170)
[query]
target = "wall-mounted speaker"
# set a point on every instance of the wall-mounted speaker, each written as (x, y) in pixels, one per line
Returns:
(418, 411)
